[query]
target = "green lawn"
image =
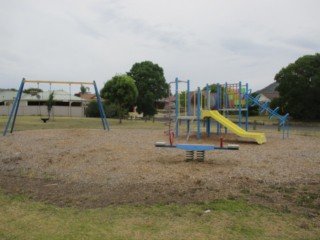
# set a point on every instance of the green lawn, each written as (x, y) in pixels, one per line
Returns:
(21, 218)
(34, 123)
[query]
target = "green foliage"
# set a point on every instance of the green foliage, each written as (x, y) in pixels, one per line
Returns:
(253, 110)
(299, 87)
(147, 104)
(111, 110)
(278, 102)
(92, 110)
(151, 84)
(32, 91)
(83, 89)
(182, 99)
(122, 92)
(50, 103)
(213, 88)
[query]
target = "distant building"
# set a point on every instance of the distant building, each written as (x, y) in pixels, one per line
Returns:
(65, 104)
(268, 93)
(87, 96)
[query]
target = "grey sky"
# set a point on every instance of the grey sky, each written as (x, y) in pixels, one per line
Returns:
(206, 41)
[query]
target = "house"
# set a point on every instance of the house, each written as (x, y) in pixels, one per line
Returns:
(65, 104)
(87, 96)
(268, 93)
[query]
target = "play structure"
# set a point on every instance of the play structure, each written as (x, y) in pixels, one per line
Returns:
(283, 120)
(15, 106)
(202, 105)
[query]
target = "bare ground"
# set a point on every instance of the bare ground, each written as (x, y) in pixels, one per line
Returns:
(93, 168)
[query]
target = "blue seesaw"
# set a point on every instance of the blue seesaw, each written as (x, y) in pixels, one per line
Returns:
(198, 148)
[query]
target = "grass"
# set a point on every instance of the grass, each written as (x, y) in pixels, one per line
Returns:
(35, 123)
(224, 219)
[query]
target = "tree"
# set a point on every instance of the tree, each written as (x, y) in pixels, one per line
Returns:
(151, 84)
(213, 88)
(50, 103)
(84, 89)
(32, 91)
(92, 110)
(299, 88)
(122, 92)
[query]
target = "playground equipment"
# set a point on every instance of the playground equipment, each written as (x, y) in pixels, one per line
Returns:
(15, 106)
(283, 120)
(199, 149)
(258, 137)
(233, 98)
(176, 106)
(229, 98)
(206, 106)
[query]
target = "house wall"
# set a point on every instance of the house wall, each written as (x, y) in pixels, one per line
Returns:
(59, 111)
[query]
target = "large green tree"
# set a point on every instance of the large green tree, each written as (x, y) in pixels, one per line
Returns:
(151, 84)
(121, 92)
(299, 88)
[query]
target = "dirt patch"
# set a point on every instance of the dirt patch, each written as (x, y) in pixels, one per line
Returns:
(93, 168)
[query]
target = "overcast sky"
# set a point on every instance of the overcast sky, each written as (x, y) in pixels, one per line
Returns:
(205, 41)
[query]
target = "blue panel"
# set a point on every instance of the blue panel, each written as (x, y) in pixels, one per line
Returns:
(195, 147)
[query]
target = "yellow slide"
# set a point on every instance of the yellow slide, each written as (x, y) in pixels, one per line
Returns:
(259, 137)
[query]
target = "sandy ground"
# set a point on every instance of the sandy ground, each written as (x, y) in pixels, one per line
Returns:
(94, 168)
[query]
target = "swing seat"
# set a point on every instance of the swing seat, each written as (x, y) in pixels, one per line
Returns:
(44, 119)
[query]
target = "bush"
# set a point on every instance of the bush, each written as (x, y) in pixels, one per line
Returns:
(253, 110)
(92, 109)
(111, 110)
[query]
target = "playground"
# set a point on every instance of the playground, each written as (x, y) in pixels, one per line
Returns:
(90, 168)
(93, 168)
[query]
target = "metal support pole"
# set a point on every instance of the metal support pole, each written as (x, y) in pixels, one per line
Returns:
(188, 105)
(198, 112)
(177, 107)
(14, 109)
(102, 112)
(240, 106)
(247, 107)
(226, 104)
(218, 107)
(208, 107)
(208, 127)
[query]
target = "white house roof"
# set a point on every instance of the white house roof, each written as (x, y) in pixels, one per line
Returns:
(58, 95)
(7, 95)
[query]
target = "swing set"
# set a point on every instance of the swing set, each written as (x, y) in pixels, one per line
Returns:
(16, 103)
(39, 103)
